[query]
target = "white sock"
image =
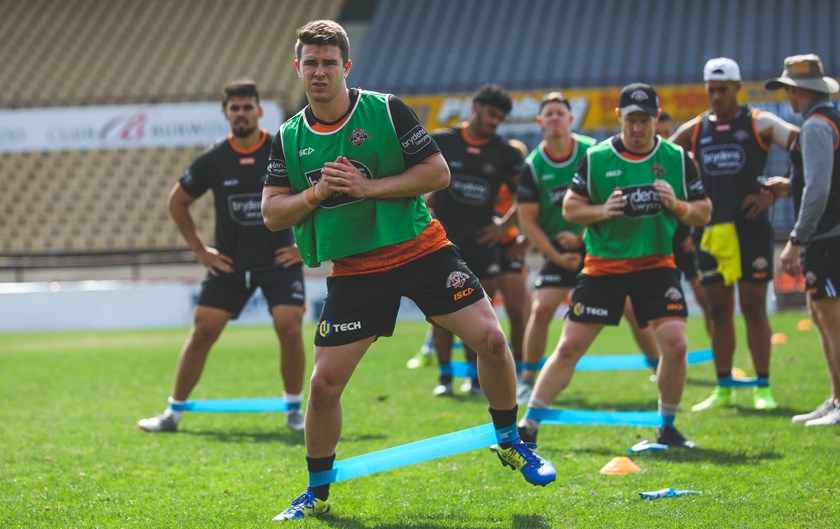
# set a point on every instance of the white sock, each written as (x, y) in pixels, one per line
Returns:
(172, 413)
(294, 400)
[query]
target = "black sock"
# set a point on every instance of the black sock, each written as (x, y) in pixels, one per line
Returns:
(320, 464)
(475, 382)
(445, 379)
(724, 375)
(504, 419)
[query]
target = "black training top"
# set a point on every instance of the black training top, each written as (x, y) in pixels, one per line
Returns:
(731, 157)
(236, 179)
(478, 171)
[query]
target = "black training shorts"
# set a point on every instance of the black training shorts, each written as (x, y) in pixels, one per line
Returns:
(756, 245)
(552, 275)
(230, 292)
(821, 266)
(361, 306)
(655, 294)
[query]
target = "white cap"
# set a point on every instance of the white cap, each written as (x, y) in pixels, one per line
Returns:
(721, 69)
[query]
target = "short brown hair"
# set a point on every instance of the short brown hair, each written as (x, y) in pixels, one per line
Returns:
(323, 33)
(240, 88)
(555, 97)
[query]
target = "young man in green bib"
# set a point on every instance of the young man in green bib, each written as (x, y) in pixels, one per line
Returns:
(348, 172)
(629, 191)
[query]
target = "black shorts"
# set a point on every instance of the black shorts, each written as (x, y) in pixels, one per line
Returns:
(361, 306)
(510, 266)
(821, 266)
(482, 260)
(553, 276)
(685, 262)
(756, 243)
(654, 293)
(230, 292)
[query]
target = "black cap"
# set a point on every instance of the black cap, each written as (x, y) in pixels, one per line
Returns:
(638, 97)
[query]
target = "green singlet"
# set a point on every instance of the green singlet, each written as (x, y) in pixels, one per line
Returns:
(646, 228)
(342, 225)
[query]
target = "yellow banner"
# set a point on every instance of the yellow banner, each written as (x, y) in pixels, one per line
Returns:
(594, 108)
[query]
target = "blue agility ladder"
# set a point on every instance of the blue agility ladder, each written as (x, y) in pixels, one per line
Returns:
(592, 363)
(233, 405)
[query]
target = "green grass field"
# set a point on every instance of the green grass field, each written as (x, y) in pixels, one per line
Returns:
(73, 458)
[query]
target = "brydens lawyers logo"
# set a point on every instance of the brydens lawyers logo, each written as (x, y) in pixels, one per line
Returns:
(358, 137)
(456, 279)
(326, 327)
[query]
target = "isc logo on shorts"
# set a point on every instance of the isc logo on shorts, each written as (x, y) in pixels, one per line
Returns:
(462, 293)
(326, 327)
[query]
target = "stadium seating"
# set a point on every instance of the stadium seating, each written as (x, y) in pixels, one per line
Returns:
(456, 46)
(88, 52)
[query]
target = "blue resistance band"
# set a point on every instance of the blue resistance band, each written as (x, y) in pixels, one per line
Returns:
(612, 418)
(738, 382)
(407, 454)
(593, 363)
(233, 405)
(466, 440)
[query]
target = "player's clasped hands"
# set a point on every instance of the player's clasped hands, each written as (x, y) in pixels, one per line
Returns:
(666, 193)
(341, 176)
(615, 204)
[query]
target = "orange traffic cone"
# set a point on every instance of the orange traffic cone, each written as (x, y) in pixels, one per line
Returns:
(804, 325)
(737, 373)
(778, 338)
(620, 465)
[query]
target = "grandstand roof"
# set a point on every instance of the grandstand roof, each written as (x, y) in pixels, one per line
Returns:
(445, 46)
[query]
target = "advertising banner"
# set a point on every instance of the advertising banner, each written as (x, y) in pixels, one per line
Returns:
(120, 126)
(593, 108)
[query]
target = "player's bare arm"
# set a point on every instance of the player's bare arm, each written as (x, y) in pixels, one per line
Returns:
(528, 214)
(683, 135)
(429, 175)
(570, 240)
(283, 209)
(779, 132)
(179, 203)
(578, 208)
(692, 213)
(774, 129)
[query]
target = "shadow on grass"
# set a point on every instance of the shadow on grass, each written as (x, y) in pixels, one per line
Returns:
(697, 382)
(718, 457)
(279, 436)
(520, 521)
(778, 412)
(291, 438)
